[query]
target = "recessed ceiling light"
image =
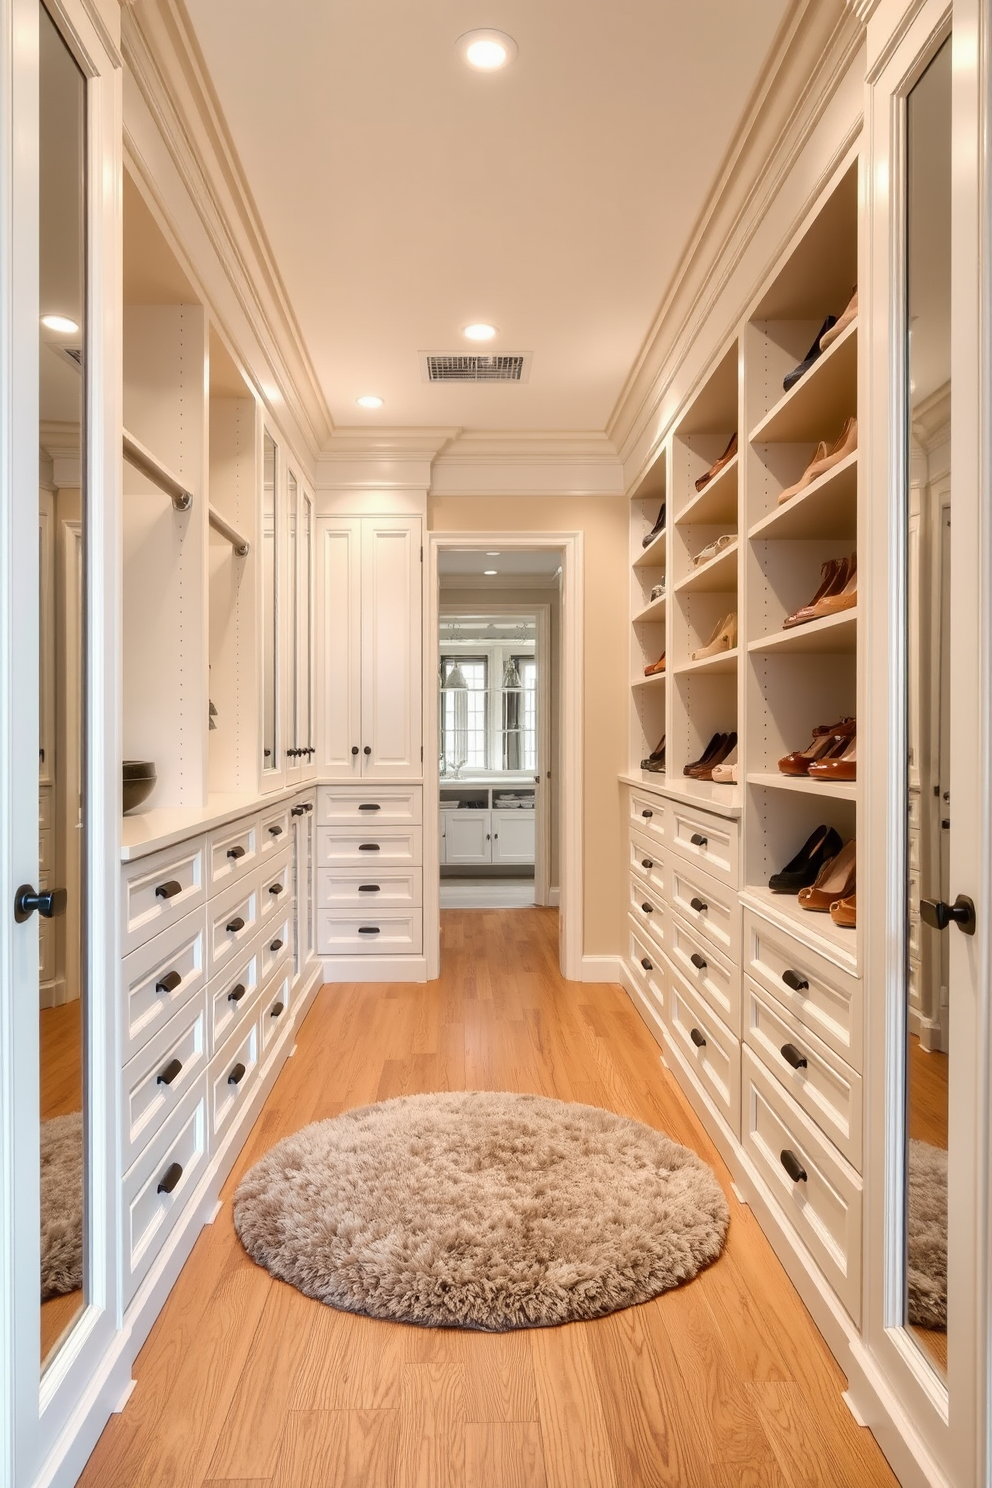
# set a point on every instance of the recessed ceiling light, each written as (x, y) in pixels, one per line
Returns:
(59, 323)
(488, 573)
(369, 400)
(492, 555)
(486, 51)
(480, 332)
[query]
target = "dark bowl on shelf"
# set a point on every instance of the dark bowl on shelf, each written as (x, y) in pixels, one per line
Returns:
(138, 779)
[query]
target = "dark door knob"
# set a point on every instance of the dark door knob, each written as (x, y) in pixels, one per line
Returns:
(354, 748)
(368, 749)
(939, 915)
(49, 904)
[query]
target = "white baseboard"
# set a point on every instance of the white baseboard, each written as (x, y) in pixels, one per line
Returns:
(374, 968)
(600, 969)
(554, 897)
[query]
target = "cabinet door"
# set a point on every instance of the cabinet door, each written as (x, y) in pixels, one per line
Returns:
(468, 837)
(513, 836)
(391, 739)
(339, 631)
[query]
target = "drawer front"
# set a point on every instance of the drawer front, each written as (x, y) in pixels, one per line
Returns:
(650, 815)
(231, 1079)
(713, 978)
(157, 1079)
(45, 853)
(396, 888)
(274, 830)
(387, 805)
(647, 860)
(158, 890)
(710, 1050)
(274, 1009)
(824, 1086)
(710, 908)
(232, 920)
(232, 851)
(274, 946)
(160, 978)
(232, 996)
(824, 1206)
(710, 841)
(276, 889)
(647, 909)
(824, 998)
(158, 1185)
(647, 967)
(340, 847)
(392, 934)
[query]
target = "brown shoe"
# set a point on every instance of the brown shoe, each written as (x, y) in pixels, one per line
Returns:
(655, 667)
(704, 771)
(715, 468)
(800, 760)
(839, 327)
(836, 881)
(841, 593)
(844, 912)
(840, 764)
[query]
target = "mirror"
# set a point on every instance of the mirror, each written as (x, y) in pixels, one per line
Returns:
(928, 312)
(270, 599)
(489, 691)
(62, 714)
(307, 618)
(295, 721)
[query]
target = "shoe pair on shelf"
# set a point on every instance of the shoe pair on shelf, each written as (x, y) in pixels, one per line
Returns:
(655, 761)
(659, 524)
(828, 333)
(825, 458)
(657, 590)
(712, 549)
(822, 875)
(838, 591)
(655, 666)
(718, 465)
(724, 638)
(832, 754)
(716, 753)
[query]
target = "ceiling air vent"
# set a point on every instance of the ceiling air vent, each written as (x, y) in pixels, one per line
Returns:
(458, 366)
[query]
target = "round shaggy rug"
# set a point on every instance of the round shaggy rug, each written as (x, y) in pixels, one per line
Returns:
(927, 1238)
(61, 1205)
(481, 1210)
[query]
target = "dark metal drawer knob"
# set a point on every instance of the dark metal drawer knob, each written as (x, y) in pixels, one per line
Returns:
(276, 888)
(237, 1075)
(648, 965)
(275, 945)
(296, 811)
(368, 847)
(276, 831)
(169, 890)
(647, 815)
(794, 1056)
(236, 993)
(697, 1038)
(368, 888)
(275, 1011)
(235, 925)
(698, 840)
(235, 852)
(170, 1072)
(793, 1166)
(796, 982)
(368, 930)
(370, 807)
(699, 905)
(169, 982)
(647, 862)
(698, 961)
(647, 908)
(170, 1178)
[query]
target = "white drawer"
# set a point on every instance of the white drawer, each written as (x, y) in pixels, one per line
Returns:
(709, 907)
(274, 946)
(647, 969)
(160, 977)
(275, 894)
(649, 814)
(716, 980)
(44, 809)
(231, 1079)
(232, 996)
(396, 888)
(156, 1080)
(387, 805)
(232, 919)
(274, 830)
(232, 851)
(646, 859)
(707, 1048)
(826, 1088)
(391, 934)
(710, 841)
(823, 996)
(274, 1008)
(824, 1206)
(340, 847)
(45, 852)
(158, 1185)
(158, 890)
(647, 909)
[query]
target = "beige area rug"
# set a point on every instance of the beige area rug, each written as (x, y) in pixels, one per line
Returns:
(61, 1205)
(927, 1237)
(481, 1210)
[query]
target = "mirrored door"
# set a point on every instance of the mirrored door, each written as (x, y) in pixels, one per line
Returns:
(271, 672)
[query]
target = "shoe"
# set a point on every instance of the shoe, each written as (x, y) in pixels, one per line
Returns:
(839, 327)
(724, 638)
(704, 770)
(654, 766)
(659, 751)
(835, 572)
(840, 764)
(658, 590)
(715, 469)
(656, 667)
(708, 755)
(822, 846)
(824, 459)
(659, 524)
(813, 355)
(834, 601)
(800, 760)
(712, 549)
(844, 912)
(835, 881)
(726, 773)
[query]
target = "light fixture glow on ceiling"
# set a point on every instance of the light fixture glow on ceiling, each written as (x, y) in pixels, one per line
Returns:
(492, 555)
(479, 332)
(489, 573)
(369, 400)
(486, 51)
(59, 323)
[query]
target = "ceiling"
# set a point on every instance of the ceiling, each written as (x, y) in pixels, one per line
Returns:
(529, 563)
(405, 196)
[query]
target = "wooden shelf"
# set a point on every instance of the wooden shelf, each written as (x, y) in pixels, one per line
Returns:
(815, 929)
(653, 612)
(834, 635)
(816, 407)
(717, 576)
(716, 502)
(723, 662)
(828, 508)
(653, 556)
(807, 785)
(655, 681)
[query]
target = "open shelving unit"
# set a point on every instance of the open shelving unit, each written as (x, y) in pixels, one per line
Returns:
(649, 624)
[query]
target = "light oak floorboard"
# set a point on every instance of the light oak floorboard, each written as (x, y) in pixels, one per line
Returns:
(338, 1449)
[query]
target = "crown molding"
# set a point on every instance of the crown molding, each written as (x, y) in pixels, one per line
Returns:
(543, 463)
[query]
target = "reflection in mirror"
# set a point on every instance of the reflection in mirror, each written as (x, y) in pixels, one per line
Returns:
(296, 721)
(928, 721)
(308, 621)
(489, 691)
(61, 805)
(270, 760)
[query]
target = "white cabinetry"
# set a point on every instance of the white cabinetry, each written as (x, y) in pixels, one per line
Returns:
(479, 831)
(369, 627)
(513, 836)
(467, 837)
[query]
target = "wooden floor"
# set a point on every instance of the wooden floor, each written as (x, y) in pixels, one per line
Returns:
(927, 1102)
(245, 1383)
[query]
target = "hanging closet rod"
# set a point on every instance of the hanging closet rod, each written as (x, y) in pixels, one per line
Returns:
(142, 459)
(240, 544)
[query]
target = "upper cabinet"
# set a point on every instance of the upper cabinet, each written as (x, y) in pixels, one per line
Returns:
(369, 697)
(301, 748)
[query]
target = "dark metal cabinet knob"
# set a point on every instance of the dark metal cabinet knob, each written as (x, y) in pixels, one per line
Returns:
(369, 930)
(368, 749)
(370, 806)
(938, 915)
(169, 982)
(170, 1178)
(647, 862)
(276, 888)
(697, 1038)
(368, 888)
(648, 965)
(699, 905)
(235, 852)
(236, 993)
(794, 981)
(170, 1072)
(169, 890)
(237, 1075)
(647, 815)
(235, 925)
(698, 961)
(794, 1056)
(793, 1166)
(354, 748)
(647, 908)
(297, 811)
(698, 840)
(50, 903)
(275, 1011)
(368, 847)
(275, 945)
(275, 831)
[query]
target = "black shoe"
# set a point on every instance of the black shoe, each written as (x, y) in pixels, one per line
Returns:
(821, 846)
(655, 763)
(713, 747)
(813, 355)
(647, 541)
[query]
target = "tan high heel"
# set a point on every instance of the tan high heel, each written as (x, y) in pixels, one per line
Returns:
(850, 314)
(836, 881)
(824, 459)
(840, 764)
(724, 638)
(838, 576)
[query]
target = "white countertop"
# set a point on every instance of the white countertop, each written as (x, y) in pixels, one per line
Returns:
(723, 800)
(145, 832)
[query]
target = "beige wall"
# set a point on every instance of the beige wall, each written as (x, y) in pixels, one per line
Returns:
(603, 521)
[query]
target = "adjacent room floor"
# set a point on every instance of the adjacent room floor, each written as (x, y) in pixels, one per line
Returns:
(487, 893)
(721, 1383)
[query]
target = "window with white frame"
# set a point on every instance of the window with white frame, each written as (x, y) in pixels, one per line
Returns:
(464, 709)
(488, 706)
